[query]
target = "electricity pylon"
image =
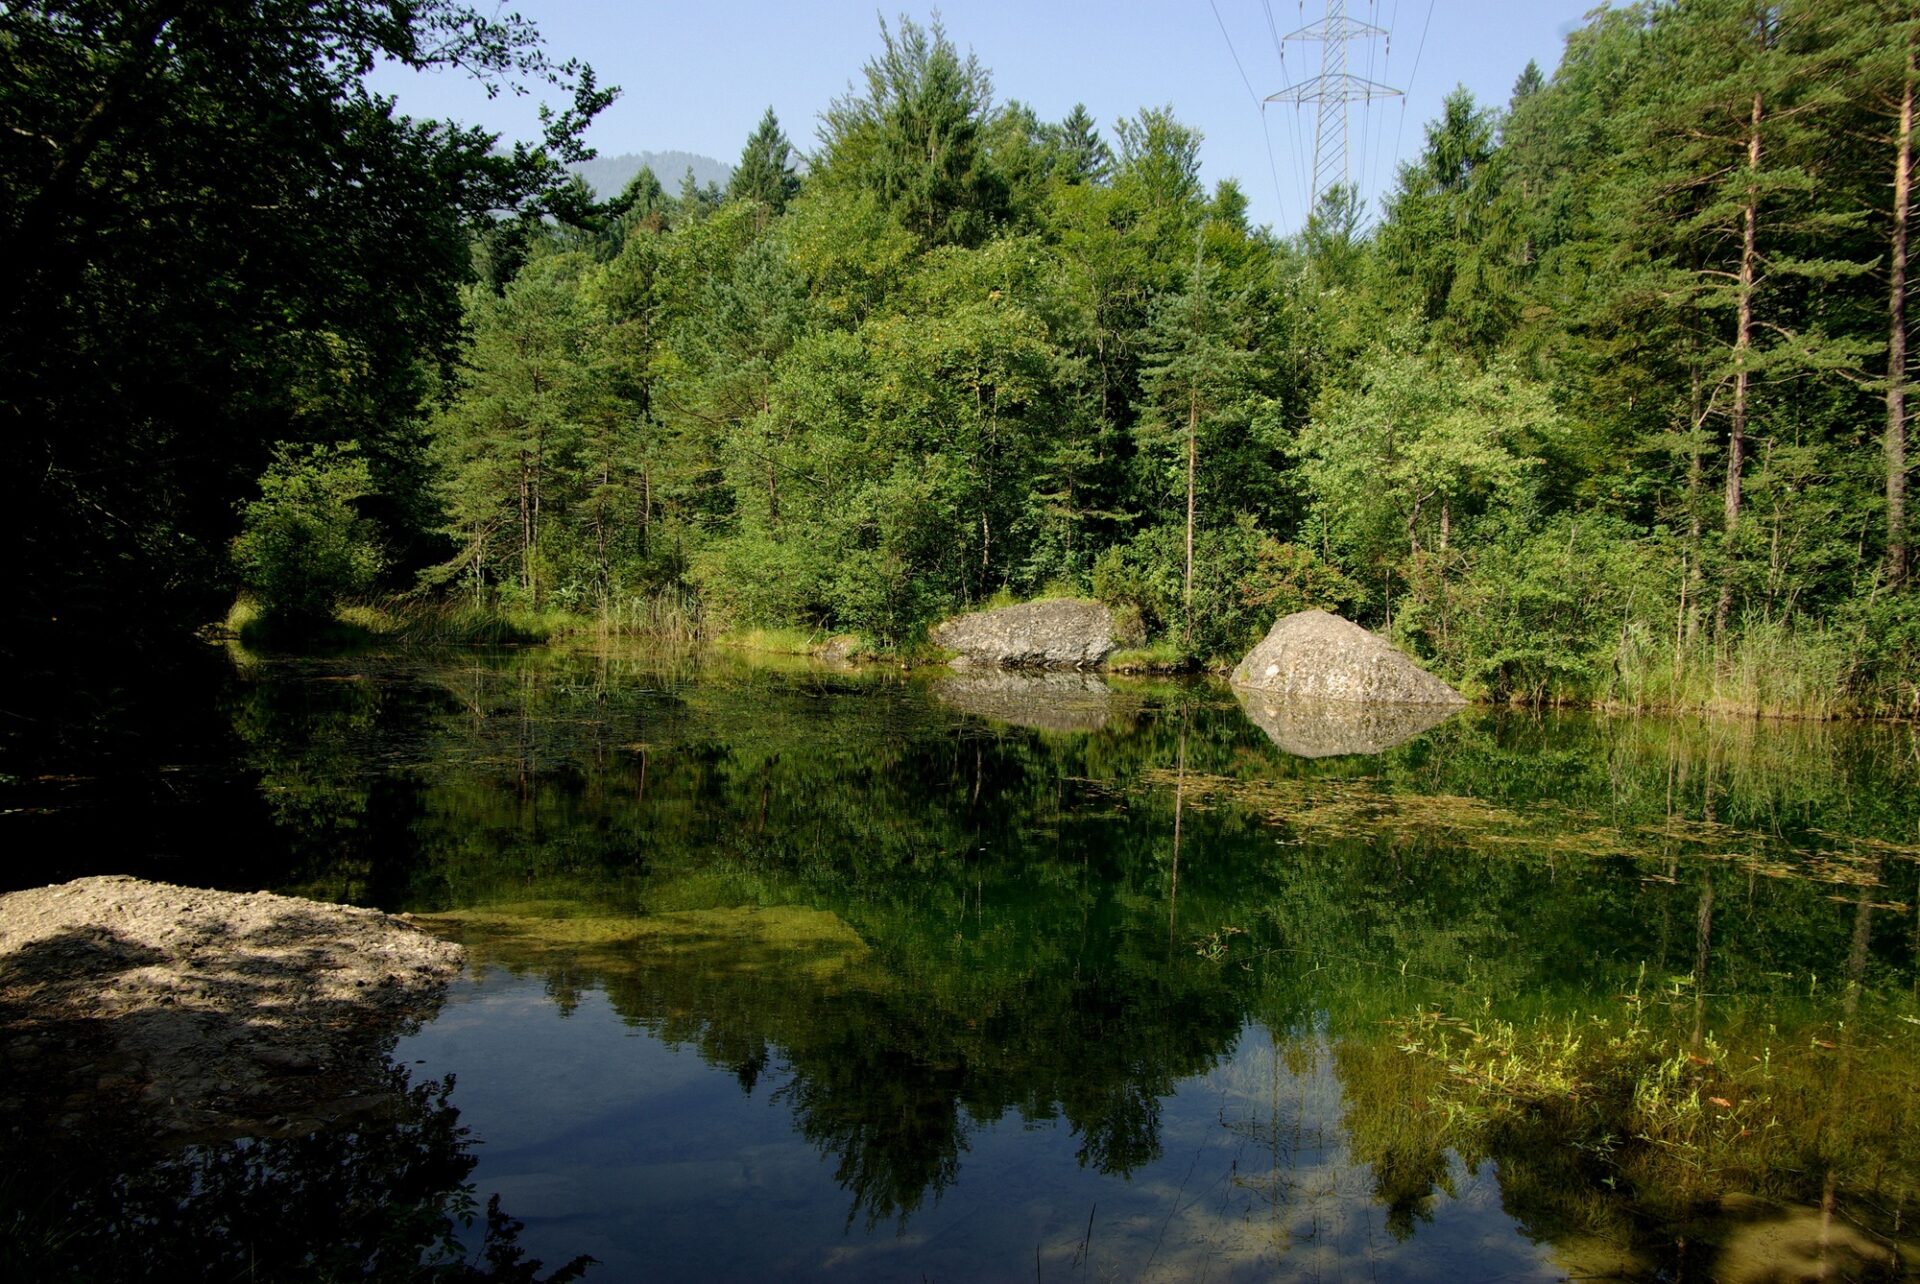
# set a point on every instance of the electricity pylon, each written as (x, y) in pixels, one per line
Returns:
(1330, 92)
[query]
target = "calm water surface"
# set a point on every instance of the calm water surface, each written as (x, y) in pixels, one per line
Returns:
(782, 972)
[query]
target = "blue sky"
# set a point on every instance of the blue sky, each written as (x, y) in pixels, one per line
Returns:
(696, 77)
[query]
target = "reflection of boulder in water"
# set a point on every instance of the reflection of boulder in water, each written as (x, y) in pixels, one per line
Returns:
(1042, 701)
(1309, 728)
(1314, 654)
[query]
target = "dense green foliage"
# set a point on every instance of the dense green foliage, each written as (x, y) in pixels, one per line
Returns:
(1532, 422)
(1608, 405)
(305, 545)
(219, 239)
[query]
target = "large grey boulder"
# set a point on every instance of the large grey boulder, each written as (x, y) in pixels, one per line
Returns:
(1063, 702)
(1060, 633)
(1321, 656)
(1309, 727)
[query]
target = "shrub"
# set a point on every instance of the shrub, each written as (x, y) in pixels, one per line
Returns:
(1243, 579)
(304, 544)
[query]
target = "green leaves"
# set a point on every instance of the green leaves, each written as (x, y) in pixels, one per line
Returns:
(223, 239)
(914, 139)
(765, 172)
(304, 545)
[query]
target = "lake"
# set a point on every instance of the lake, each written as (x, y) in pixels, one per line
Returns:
(780, 971)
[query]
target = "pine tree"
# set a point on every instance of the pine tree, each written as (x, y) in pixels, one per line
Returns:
(1195, 370)
(765, 172)
(1527, 84)
(1084, 156)
(1724, 185)
(1450, 232)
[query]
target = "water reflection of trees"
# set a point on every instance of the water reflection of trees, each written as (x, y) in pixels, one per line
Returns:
(386, 1198)
(1016, 889)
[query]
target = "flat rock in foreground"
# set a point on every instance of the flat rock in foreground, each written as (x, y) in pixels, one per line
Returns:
(1323, 657)
(1059, 633)
(1308, 727)
(220, 1012)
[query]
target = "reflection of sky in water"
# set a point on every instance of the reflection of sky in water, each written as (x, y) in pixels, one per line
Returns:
(606, 1140)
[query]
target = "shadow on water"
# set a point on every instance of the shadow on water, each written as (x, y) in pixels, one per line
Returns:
(1128, 982)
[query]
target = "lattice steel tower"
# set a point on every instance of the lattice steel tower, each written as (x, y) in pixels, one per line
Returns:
(1331, 92)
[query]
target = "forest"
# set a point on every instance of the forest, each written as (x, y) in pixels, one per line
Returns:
(1607, 403)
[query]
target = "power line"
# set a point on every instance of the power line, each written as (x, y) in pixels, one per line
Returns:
(1393, 25)
(1271, 167)
(1298, 152)
(1411, 77)
(1368, 144)
(1258, 106)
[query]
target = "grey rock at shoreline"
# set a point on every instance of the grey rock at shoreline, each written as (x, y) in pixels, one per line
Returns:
(216, 1011)
(1059, 633)
(1321, 656)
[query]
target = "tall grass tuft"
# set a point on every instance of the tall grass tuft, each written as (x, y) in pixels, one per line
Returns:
(774, 640)
(1766, 669)
(417, 621)
(673, 614)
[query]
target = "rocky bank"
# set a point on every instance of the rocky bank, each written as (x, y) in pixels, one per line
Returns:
(208, 1013)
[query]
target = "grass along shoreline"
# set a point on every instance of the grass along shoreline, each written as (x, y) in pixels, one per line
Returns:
(1763, 673)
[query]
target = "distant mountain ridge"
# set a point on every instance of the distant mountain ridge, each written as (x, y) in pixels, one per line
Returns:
(608, 175)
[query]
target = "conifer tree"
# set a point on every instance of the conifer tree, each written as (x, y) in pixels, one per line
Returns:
(765, 172)
(1195, 369)
(914, 138)
(1084, 156)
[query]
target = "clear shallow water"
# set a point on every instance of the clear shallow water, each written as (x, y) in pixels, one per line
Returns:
(662, 1165)
(785, 972)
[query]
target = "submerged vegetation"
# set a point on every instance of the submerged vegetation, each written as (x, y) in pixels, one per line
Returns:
(922, 919)
(1554, 944)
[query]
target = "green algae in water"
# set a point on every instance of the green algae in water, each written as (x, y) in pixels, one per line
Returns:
(746, 939)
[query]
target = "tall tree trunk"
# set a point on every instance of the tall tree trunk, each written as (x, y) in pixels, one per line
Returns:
(600, 534)
(1742, 348)
(1193, 459)
(1690, 581)
(533, 544)
(646, 510)
(1896, 441)
(526, 524)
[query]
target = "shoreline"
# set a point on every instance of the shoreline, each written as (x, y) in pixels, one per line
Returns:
(205, 1014)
